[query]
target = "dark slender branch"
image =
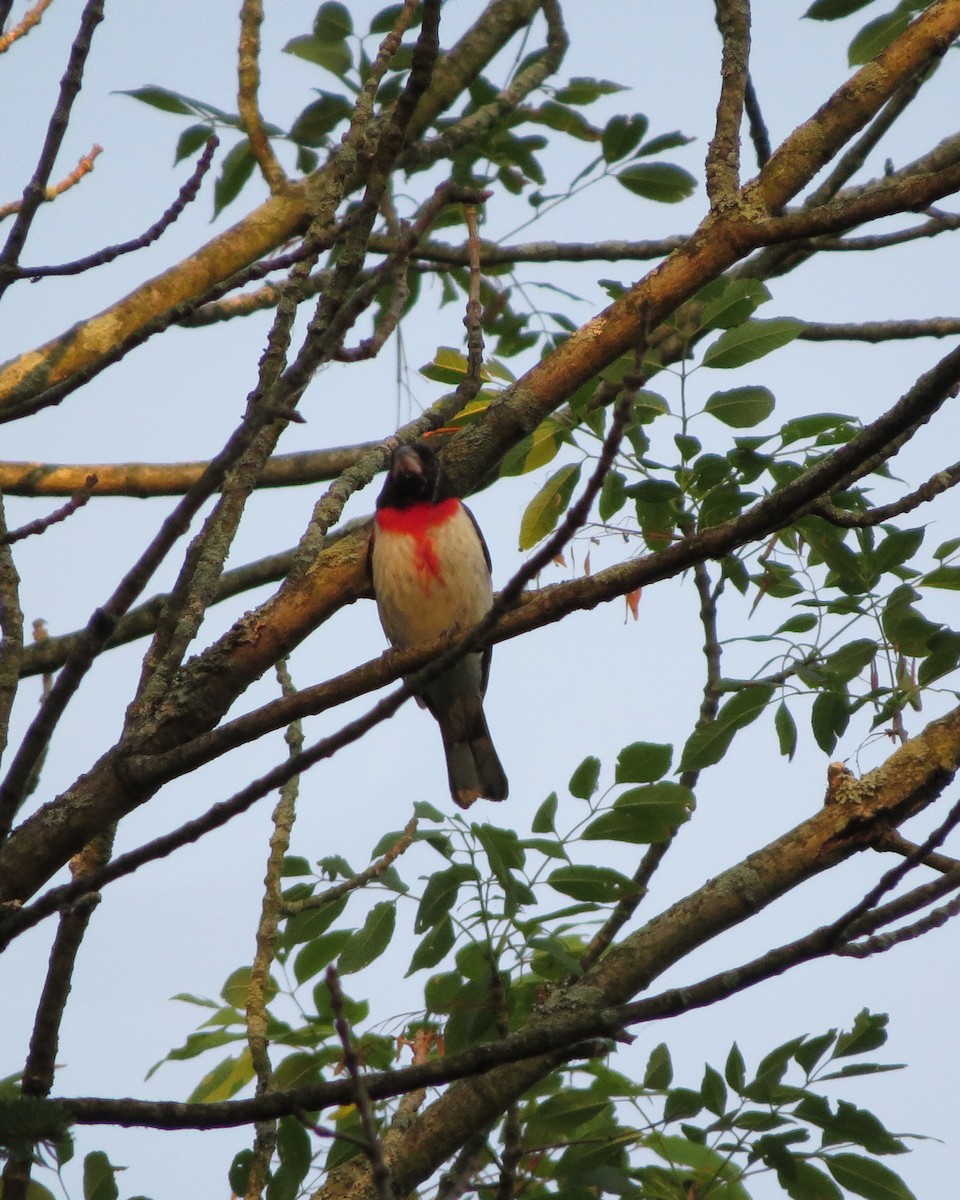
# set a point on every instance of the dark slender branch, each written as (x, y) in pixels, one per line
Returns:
(879, 331)
(42, 524)
(373, 1147)
(290, 908)
(758, 128)
(895, 842)
(880, 943)
(100, 258)
(36, 189)
(943, 480)
(942, 223)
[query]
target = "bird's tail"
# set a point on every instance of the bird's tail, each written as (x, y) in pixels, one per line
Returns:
(473, 768)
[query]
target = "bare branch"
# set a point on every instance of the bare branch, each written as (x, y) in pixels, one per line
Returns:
(42, 524)
(83, 167)
(290, 908)
(36, 190)
(30, 18)
(723, 153)
(248, 74)
(941, 482)
(186, 195)
(373, 1147)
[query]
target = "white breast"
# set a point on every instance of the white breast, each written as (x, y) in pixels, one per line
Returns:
(418, 604)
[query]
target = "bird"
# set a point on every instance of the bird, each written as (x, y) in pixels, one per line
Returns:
(431, 576)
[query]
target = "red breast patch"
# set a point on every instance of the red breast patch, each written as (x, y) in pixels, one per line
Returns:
(417, 522)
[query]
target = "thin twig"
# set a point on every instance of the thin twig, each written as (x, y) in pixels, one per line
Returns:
(42, 524)
(290, 908)
(99, 258)
(943, 480)
(27, 22)
(36, 190)
(83, 167)
(759, 134)
(379, 1171)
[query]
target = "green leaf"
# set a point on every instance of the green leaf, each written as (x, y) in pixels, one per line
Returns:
(613, 495)
(99, 1181)
(659, 1073)
(752, 340)
(742, 407)
(548, 505)
(735, 1071)
(709, 743)
(946, 549)
(447, 366)
(332, 56)
(681, 1103)
(584, 780)
(332, 23)
(643, 762)
(622, 134)
(239, 1174)
(370, 941)
(437, 943)
(831, 10)
(296, 1154)
(545, 816)
(786, 728)
(236, 169)
(877, 35)
(648, 405)
(804, 1181)
(663, 141)
(581, 90)
(713, 1091)
(541, 447)
(440, 895)
(162, 98)
(813, 1049)
(942, 577)
(190, 141)
(829, 719)
(561, 1115)
(868, 1178)
(315, 955)
(319, 119)
(643, 815)
(225, 1080)
(662, 182)
(869, 1032)
(234, 990)
(599, 884)
(728, 302)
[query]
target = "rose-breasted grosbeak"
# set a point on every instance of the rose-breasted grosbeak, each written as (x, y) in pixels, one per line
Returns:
(431, 575)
